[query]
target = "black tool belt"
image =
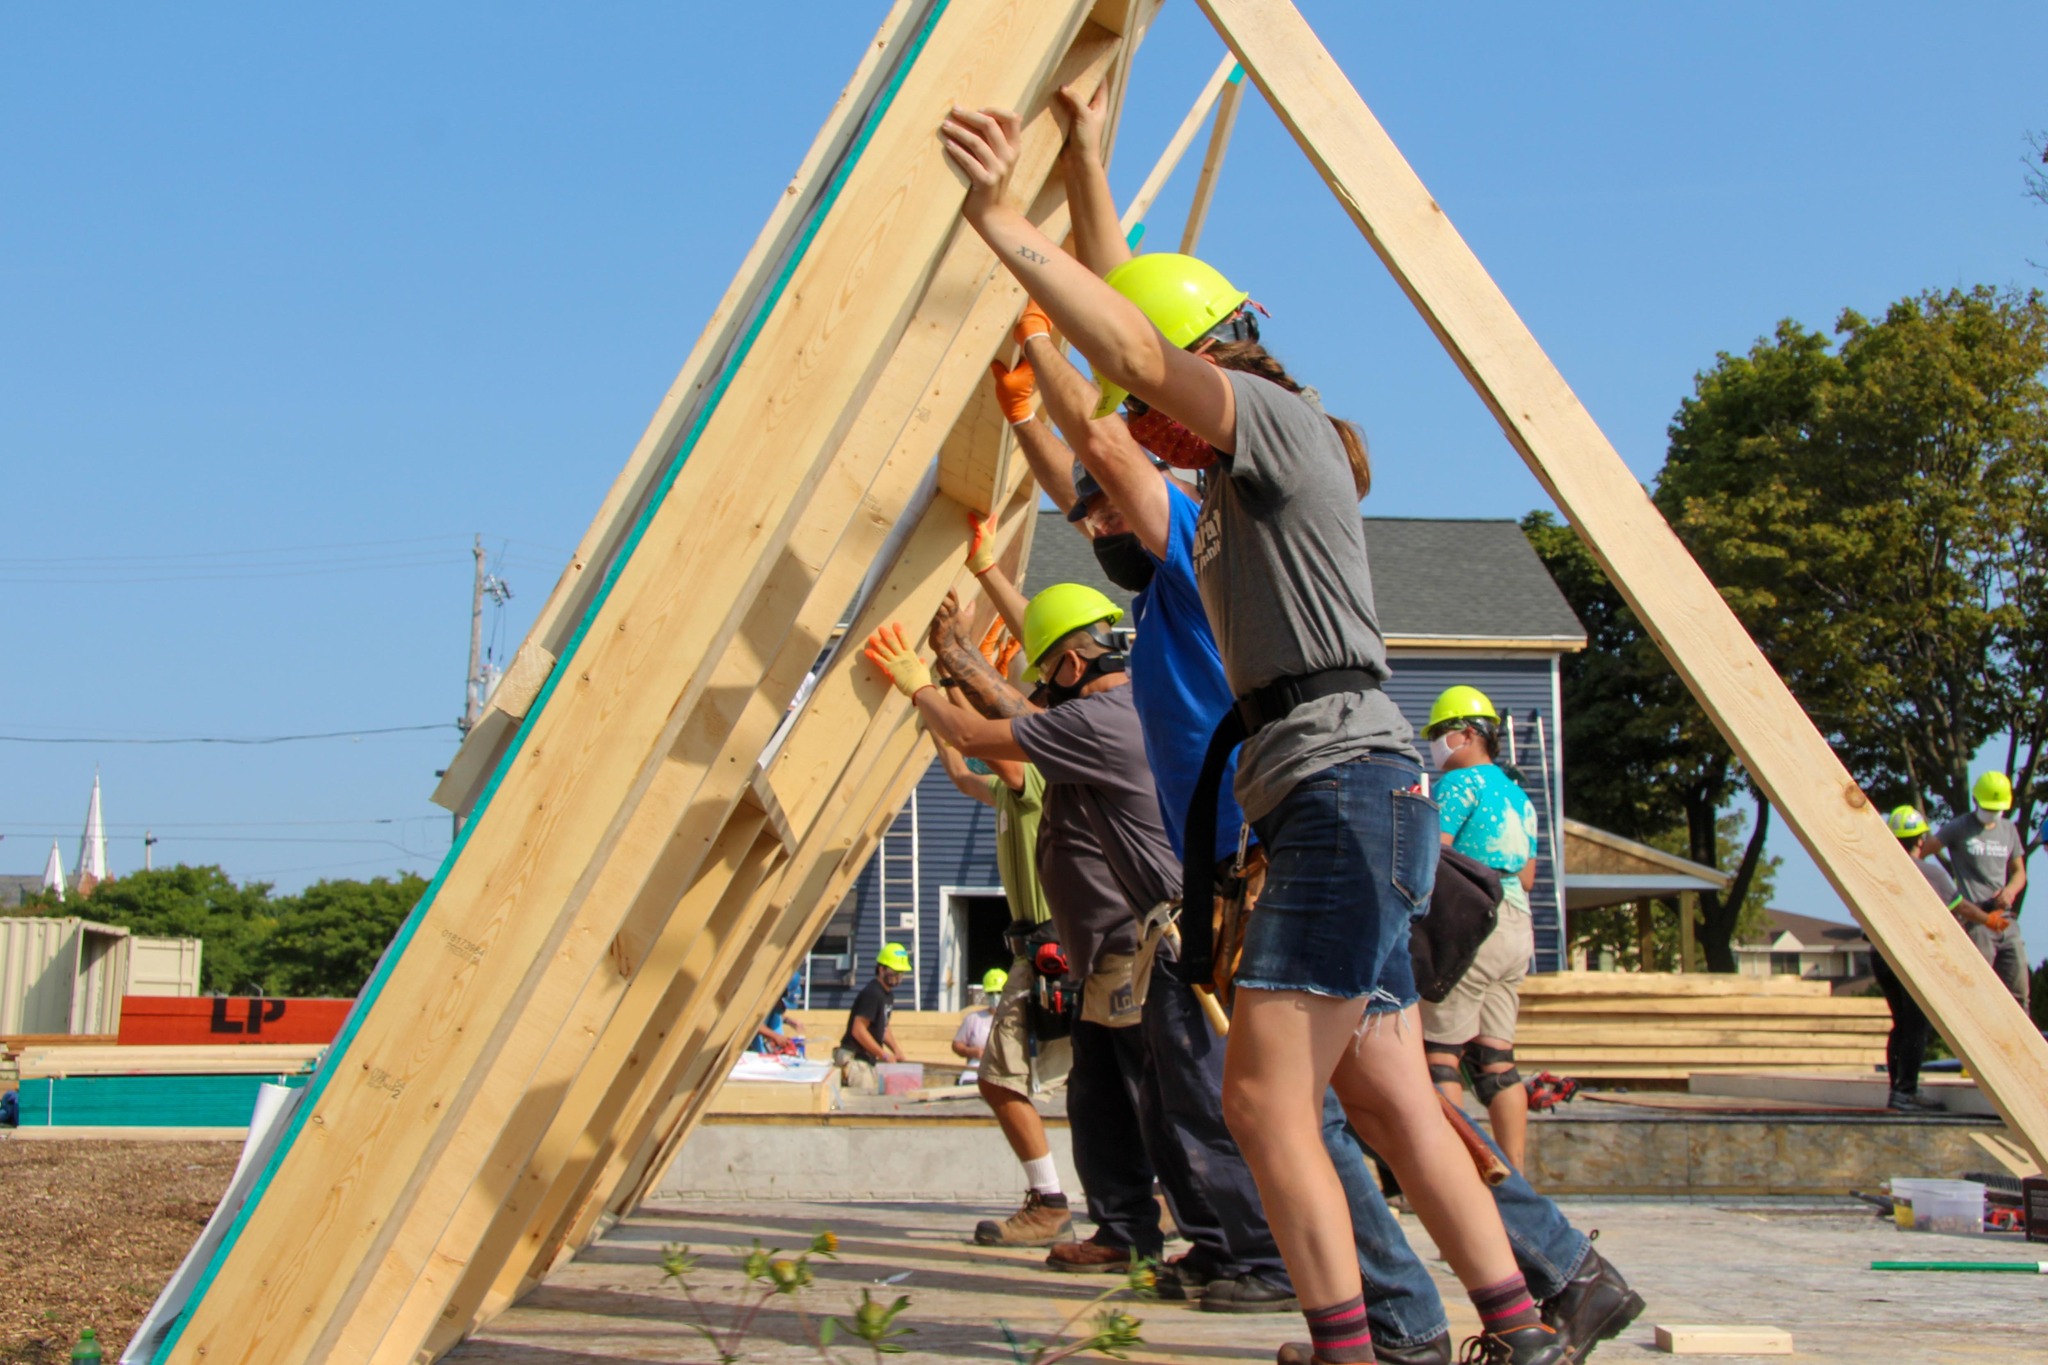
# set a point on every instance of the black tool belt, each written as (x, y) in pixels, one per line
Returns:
(1253, 712)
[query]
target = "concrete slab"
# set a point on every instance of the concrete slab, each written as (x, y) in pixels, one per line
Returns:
(1800, 1266)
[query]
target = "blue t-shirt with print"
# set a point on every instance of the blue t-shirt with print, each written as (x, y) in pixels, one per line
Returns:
(1490, 819)
(1178, 684)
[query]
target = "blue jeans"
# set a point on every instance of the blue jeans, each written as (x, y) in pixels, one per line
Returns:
(1401, 1301)
(1351, 858)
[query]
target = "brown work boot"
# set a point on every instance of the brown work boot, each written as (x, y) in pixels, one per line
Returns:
(1043, 1220)
(1092, 1257)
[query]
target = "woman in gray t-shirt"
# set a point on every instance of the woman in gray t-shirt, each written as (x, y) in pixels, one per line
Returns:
(1325, 991)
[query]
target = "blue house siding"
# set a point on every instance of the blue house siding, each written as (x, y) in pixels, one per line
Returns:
(956, 847)
(1521, 686)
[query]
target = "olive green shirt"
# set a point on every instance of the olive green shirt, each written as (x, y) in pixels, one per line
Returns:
(1017, 843)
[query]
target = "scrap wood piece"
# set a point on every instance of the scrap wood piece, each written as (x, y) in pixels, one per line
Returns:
(1693, 626)
(1689, 1340)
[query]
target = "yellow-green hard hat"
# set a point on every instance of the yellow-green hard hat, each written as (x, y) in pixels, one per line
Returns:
(1906, 823)
(1058, 612)
(1992, 791)
(1182, 296)
(893, 956)
(993, 981)
(1460, 703)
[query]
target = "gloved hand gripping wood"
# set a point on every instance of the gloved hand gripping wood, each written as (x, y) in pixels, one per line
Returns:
(889, 650)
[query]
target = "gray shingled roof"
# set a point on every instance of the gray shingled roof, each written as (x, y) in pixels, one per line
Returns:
(1457, 579)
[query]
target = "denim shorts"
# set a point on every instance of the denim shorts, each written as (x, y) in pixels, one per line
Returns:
(1351, 859)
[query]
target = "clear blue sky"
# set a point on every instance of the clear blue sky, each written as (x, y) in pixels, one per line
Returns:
(293, 300)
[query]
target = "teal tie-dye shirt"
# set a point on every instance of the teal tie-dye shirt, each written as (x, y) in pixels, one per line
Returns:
(1490, 819)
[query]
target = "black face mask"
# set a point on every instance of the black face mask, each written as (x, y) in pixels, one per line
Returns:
(1124, 561)
(1058, 693)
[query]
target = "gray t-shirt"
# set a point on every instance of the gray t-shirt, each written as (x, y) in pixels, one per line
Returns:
(1088, 909)
(1092, 753)
(1979, 854)
(1280, 559)
(1938, 878)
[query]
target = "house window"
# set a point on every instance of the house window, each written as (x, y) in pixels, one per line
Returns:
(1784, 964)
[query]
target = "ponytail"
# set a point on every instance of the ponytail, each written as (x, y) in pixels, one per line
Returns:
(1253, 358)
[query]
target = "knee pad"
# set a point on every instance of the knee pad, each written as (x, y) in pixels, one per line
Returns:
(1486, 1084)
(1445, 1075)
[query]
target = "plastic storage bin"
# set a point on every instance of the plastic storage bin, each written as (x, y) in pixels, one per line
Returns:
(900, 1078)
(1955, 1206)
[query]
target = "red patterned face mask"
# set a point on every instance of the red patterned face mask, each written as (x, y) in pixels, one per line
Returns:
(1169, 440)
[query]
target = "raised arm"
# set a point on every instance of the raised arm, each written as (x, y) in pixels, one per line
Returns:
(973, 735)
(1120, 343)
(1104, 445)
(1098, 231)
(987, 690)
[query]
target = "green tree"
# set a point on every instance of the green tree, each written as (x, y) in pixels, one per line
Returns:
(1877, 516)
(329, 936)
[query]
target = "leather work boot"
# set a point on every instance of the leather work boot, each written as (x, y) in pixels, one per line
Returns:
(1043, 1220)
(1435, 1351)
(1183, 1278)
(1534, 1345)
(1092, 1257)
(1594, 1305)
(1248, 1294)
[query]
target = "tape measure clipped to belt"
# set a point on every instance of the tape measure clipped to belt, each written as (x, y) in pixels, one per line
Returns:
(1254, 711)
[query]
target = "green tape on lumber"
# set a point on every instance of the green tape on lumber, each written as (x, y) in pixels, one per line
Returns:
(2010, 1267)
(350, 1027)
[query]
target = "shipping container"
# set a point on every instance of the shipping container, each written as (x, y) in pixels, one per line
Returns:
(163, 966)
(61, 975)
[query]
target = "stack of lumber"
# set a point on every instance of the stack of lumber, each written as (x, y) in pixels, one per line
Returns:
(204, 1059)
(1654, 1026)
(925, 1035)
(106, 1086)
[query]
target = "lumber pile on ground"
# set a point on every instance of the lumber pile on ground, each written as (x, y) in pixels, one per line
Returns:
(203, 1059)
(1636, 1026)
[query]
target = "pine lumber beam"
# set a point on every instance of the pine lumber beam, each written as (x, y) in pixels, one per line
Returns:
(1212, 160)
(1536, 1034)
(865, 810)
(434, 1021)
(509, 702)
(828, 552)
(1177, 145)
(1694, 627)
(569, 600)
(1597, 985)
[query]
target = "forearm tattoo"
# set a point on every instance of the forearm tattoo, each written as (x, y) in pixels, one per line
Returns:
(1035, 257)
(990, 693)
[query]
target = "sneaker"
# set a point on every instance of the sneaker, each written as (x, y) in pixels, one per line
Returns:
(1536, 1345)
(1593, 1306)
(1902, 1102)
(1092, 1257)
(1435, 1351)
(1043, 1220)
(1248, 1294)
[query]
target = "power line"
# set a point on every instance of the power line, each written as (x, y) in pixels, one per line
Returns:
(230, 739)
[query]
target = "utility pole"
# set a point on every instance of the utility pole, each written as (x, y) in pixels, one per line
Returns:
(477, 683)
(148, 850)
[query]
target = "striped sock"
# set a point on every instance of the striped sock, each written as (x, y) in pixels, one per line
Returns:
(1506, 1306)
(1339, 1332)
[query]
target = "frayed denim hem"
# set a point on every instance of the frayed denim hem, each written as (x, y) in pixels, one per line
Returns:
(1377, 1002)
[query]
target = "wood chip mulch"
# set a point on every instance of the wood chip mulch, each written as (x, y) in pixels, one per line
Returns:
(90, 1231)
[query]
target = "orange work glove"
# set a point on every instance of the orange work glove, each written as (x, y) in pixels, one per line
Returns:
(1008, 654)
(1016, 390)
(981, 551)
(889, 651)
(1998, 921)
(1034, 323)
(992, 641)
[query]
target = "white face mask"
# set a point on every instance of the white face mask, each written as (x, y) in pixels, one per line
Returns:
(1987, 818)
(1440, 752)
